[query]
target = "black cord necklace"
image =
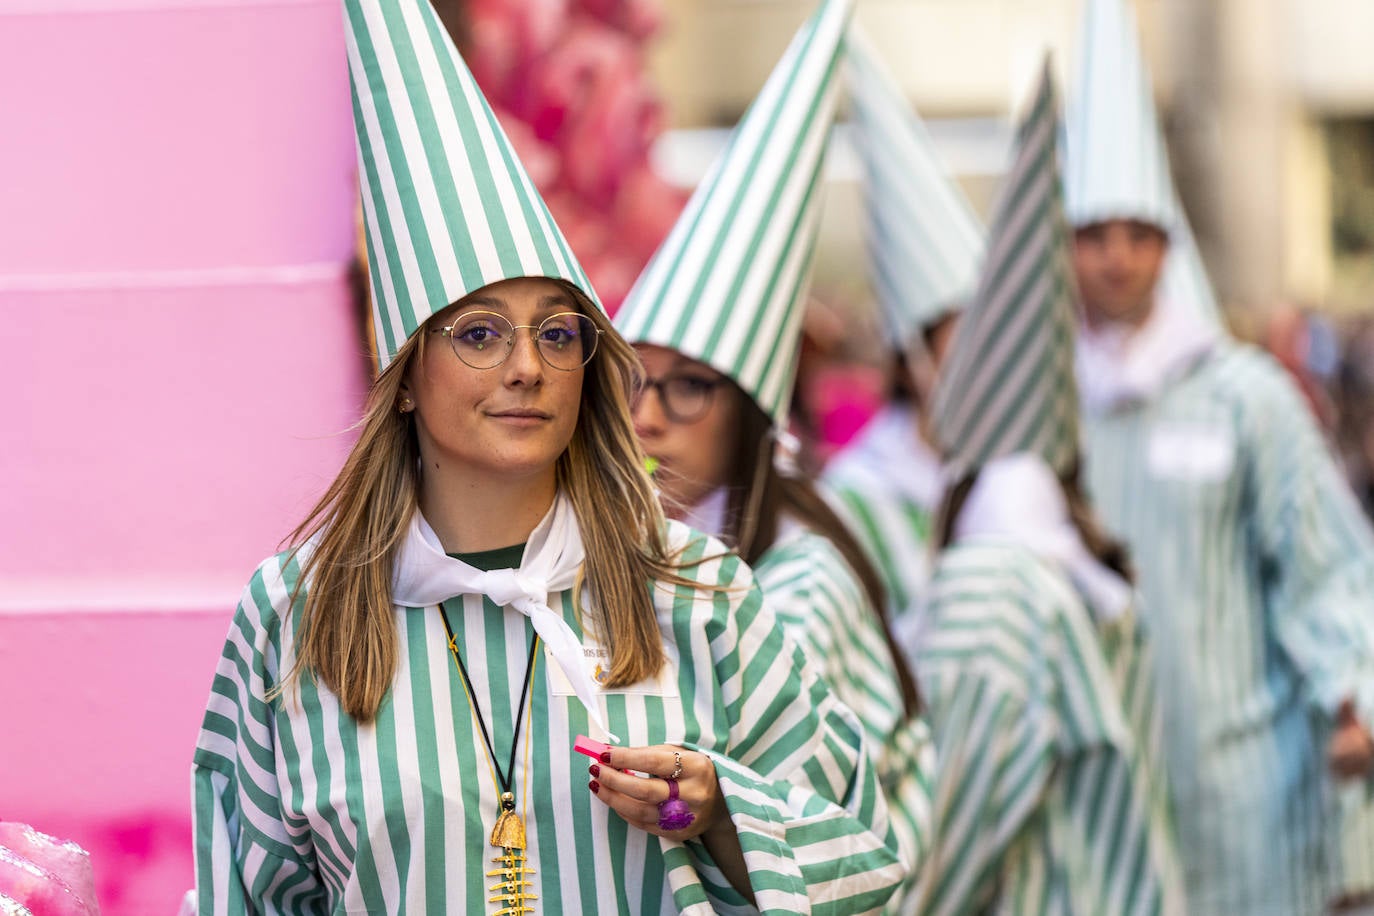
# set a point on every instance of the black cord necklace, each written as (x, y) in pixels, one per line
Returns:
(508, 835)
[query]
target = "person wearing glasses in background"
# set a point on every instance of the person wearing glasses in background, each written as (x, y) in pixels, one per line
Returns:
(716, 319)
(1256, 566)
(393, 720)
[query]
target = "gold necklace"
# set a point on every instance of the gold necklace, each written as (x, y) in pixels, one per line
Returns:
(511, 892)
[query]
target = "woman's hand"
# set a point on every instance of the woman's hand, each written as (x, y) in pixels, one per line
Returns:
(639, 800)
(1351, 753)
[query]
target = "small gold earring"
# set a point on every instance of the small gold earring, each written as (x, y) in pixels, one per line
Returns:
(407, 405)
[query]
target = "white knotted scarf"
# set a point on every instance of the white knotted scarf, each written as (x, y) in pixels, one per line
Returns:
(1120, 365)
(1018, 498)
(425, 575)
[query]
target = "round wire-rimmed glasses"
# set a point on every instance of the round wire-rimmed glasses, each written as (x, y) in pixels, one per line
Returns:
(484, 340)
(683, 398)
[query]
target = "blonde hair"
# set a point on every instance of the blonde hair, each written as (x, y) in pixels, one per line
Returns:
(346, 635)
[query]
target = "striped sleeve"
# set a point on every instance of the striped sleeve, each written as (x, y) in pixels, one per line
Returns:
(805, 801)
(1315, 542)
(245, 860)
(997, 756)
(818, 598)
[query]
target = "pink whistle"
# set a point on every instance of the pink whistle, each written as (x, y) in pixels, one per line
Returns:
(593, 749)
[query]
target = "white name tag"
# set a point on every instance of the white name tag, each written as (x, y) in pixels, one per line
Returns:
(598, 661)
(1197, 453)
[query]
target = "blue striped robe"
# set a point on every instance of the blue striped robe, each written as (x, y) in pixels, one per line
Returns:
(301, 809)
(1258, 576)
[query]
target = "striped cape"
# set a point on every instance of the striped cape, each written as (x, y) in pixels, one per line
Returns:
(300, 809)
(1044, 800)
(1258, 575)
(817, 598)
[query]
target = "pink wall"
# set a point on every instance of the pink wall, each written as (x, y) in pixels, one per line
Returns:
(182, 362)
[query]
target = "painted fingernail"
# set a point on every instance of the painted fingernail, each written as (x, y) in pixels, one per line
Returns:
(594, 769)
(605, 756)
(594, 786)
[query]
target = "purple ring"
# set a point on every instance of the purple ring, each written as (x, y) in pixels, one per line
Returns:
(673, 813)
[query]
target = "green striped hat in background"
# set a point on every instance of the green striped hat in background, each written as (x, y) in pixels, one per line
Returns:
(1008, 382)
(1116, 163)
(924, 239)
(447, 206)
(728, 285)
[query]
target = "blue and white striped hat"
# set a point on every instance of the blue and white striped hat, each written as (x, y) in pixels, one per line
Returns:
(1116, 164)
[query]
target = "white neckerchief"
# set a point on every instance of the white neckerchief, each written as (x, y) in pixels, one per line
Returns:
(1018, 498)
(1119, 365)
(425, 575)
(892, 446)
(708, 516)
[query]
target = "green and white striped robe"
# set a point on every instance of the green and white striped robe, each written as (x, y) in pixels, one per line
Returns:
(886, 486)
(817, 597)
(1044, 800)
(1258, 576)
(300, 809)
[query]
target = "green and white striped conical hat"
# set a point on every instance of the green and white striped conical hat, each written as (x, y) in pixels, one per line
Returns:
(728, 285)
(447, 206)
(924, 240)
(1116, 165)
(1008, 383)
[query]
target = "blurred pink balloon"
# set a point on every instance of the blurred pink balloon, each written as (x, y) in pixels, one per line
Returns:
(639, 18)
(44, 873)
(508, 39)
(645, 210)
(539, 158)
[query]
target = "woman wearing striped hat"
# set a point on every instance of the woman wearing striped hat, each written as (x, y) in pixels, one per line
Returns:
(1047, 800)
(393, 723)
(716, 319)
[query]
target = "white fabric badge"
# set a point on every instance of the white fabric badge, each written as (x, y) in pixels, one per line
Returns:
(1203, 454)
(597, 664)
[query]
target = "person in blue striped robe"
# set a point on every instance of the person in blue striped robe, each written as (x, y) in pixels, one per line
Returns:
(1046, 800)
(392, 721)
(1256, 566)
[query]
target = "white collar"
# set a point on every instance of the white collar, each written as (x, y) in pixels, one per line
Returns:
(708, 516)
(891, 445)
(1119, 365)
(425, 575)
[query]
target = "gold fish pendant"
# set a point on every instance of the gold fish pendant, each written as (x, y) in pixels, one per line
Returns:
(511, 891)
